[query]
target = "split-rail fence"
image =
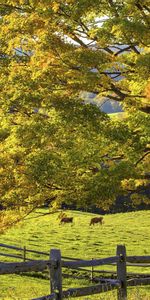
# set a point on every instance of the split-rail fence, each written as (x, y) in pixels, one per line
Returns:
(56, 263)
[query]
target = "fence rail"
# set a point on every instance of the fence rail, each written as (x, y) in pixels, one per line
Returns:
(28, 266)
(24, 249)
(56, 263)
(89, 263)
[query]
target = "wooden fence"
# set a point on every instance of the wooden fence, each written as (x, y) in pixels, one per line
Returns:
(55, 264)
(23, 253)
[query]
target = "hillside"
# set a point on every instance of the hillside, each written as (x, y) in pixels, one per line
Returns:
(80, 241)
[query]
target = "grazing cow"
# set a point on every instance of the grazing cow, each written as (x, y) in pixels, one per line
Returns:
(66, 220)
(96, 220)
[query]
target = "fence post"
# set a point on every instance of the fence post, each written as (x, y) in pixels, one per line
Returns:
(56, 273)
(24, 253)
(92, 272)
(121, 272)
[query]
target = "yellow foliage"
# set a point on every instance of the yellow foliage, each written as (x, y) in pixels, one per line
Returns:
(137, 199)
(51, 51)
(147, 91)
(8, 219)
(55, 6)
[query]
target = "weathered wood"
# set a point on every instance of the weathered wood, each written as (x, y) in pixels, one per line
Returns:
(21, 249)
(56, 273)
(24, 253)
(95, 271)
(138, 259)
(138, 265)
(15, 256)
(92, 272)
(48, 297)
(130, 259)
(115, 273)
(28, 266)
(55, 264)
(138, 281)
(121, 272)
(10, 247)
(89, 263)
(11, 255)
(110, 281)
(34, 251)
(91, 290)
(85, 291)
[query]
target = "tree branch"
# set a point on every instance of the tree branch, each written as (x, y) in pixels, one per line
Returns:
(140, 190)
(139, 6)
(122, 50)
(15, 7)
(145, 109)
(147, 153)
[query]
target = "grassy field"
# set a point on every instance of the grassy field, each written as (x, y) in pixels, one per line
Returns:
(81, 241)
(118, 115)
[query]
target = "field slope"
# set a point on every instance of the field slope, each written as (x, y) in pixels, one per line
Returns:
(81, 241)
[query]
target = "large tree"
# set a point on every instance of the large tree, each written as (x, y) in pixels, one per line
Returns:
(54, 146)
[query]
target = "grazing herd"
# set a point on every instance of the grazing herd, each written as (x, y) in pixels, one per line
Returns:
(96, 220)
(65, 220)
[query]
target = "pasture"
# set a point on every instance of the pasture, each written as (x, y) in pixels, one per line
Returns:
(118, 115)
(78, 240)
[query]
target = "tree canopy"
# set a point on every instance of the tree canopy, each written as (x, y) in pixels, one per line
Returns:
(55, 147)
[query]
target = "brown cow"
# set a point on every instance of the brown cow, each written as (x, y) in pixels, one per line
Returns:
(66, 220)
(96, 220)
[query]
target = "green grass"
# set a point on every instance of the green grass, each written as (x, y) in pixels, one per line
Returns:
(80, 241)
(118, 115)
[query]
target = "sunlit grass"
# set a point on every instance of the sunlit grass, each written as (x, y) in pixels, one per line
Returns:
(80, 241)
(118, 115)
